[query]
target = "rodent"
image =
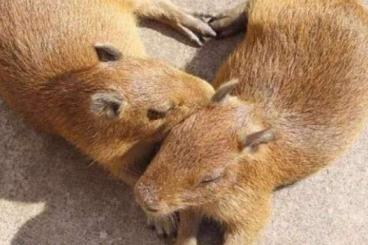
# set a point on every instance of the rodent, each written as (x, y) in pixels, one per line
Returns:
(300, 101)
(78, 69)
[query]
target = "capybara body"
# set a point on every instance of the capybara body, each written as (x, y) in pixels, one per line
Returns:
(300, 102)
(78, 69)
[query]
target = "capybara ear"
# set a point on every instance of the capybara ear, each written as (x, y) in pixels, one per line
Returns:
(160, 111)
(107, 52)
(108, 104)
(224, 90)
(252, 141)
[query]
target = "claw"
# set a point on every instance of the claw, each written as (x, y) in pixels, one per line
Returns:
(187, 32)
(197, 25)
(217, 18)
(193, 25)
(231, 21)
(164, 226)
(207, 30)
(203, 16)
(228, 25)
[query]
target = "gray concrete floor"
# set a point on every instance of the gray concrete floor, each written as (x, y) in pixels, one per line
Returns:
(50, 195)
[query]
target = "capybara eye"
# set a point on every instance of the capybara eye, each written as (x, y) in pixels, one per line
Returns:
(155, 115)
(210, 179)
(160, 111)
(107, 53)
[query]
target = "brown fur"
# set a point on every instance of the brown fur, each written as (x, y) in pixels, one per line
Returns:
(301, 101)
(50, 74)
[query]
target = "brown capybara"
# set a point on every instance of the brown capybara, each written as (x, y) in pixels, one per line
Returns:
(78, 69)
(300, 101)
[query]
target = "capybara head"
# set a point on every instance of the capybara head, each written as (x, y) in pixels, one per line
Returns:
(129, 98)
(199, 161)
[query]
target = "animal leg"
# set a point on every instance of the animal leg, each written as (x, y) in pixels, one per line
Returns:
(188, 228)
(192, 25)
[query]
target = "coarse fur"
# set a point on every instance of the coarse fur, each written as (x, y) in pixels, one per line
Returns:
(78, 69)
(301, 101)
(50, 73)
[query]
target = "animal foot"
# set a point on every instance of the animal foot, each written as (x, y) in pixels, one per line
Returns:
(164, 226)
(230, 22)
(193, 25)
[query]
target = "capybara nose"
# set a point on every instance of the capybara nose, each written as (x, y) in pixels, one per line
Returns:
(147, 197)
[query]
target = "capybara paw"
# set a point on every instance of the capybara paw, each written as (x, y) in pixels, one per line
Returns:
(164, 226)
(194, 26)
(230, 22)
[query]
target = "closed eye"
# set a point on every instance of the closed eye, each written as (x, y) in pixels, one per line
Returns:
(210, 179)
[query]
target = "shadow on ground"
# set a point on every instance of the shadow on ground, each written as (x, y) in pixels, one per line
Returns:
(83, 205)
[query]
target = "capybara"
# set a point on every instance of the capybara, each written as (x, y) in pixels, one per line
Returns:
(300, 101)
(78, 69)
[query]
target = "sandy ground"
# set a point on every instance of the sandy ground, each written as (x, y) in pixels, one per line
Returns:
(50, 195)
